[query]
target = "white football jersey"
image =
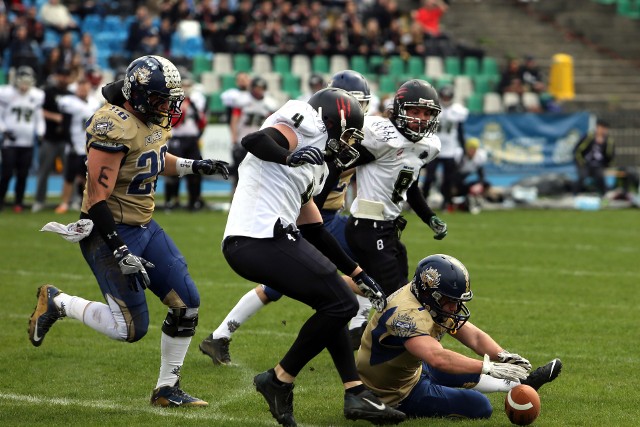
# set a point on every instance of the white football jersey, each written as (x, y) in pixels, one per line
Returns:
(267, 191)
(253, 115)
(80, 111)
(22, 115)
(449, 119)
(397, 165)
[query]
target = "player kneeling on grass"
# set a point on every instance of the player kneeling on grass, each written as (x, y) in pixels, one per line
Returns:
(125, 248)
(402, 361)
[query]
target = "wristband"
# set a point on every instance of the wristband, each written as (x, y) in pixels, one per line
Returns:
(184, 166)
(103, 221)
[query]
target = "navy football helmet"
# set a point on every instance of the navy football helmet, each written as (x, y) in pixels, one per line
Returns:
(354, 83)
(153, 87)
(343, 117)
(440, 279)
(415, 93)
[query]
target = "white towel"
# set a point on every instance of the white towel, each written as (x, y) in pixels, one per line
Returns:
(73, 232)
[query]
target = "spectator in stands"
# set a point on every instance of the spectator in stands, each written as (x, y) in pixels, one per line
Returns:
(87, 50)
(510, 80)
(139, 29)
(429, 16)
(67, 49)
(217, 22)
(34, 25)
(56, 136)
(316, 82)
(165, 34)
(23, 50)
(593, 155)
(56, 16)
(52, 63)
(531, 75)
(5, 33)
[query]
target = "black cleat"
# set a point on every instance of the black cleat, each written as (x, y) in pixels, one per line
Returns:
(356, 335)
(217, 349)
(168, 397)
(366, 406)
(279, 397)
(44, 315)
(543, 374)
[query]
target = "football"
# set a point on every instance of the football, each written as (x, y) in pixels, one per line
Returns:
(522, 405)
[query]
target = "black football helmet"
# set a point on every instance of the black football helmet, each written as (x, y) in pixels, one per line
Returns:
(438, 276)
(258, 83)
(446, 95)
(415, 93)
(150, 82)
(354, 83)
(343, 117)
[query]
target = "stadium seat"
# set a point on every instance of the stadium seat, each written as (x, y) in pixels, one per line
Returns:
(452, 65)
(320, 64)
(338, 63)
(510, 99)
(396, 66)
(281, 64)
(112, 23)
(273, 81)
(242, 63)
(359, 64)
(387, 85)
(489, 66)
(531, 101)
(300, 65)
(376, 64)
(222, 63)
(215, 103)
(462, 88)
(434, 66)
(210, 82)
(261, 63)
(475, 103)
(227, 81)
(415, 66)
(471, 66)
(492, 103)
(291, 85)
(629, 8)
(444, 80)
(91, 24)
(201, 63)
(483, 84)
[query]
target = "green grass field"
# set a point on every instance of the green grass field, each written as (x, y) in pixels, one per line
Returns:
(546, 283)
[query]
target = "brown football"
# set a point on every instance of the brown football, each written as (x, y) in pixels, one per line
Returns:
(522, 405)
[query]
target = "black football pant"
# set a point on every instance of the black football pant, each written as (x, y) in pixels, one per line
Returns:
(18, 160)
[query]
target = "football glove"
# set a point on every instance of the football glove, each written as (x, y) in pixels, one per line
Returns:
(514, 359)
(210, 167)
(438, 226)
(371, 290)
(133, 267)
(9, 135)
(505, 371)
(311, 155)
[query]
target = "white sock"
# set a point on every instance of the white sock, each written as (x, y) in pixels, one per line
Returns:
(96, 315)
(173, 351)
(246, 307)
(364, 307)
(489, 384)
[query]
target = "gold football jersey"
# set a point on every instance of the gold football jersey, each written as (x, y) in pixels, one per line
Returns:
(335, 199)
(384, 365)
(114, 129)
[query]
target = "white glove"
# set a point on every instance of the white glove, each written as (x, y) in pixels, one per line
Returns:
(505, 371)
(514, 359)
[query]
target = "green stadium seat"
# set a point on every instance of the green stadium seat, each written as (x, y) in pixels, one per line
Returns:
(359, 64)
(387, 84)
(242, 62)
(444, 80)
(483, 84)
(281, 64)
(629, 8)
(291, 85)
(376, 63)
(320, 64)
(201, 62)
(489, 66)
(215, 103)
(227, 81)
(396, 66)
(471, 66)
(452, 65)
(475, 102)
(415, 66)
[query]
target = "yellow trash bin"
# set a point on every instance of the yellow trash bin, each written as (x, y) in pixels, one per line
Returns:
(561, 77)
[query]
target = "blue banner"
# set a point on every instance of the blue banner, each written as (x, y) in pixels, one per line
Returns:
(528, 144)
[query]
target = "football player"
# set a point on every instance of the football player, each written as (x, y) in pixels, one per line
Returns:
(451, 133)
(273, 202)
(126, 249)
(401, 357)
(392, 152)
(331, 201)
(21, 119)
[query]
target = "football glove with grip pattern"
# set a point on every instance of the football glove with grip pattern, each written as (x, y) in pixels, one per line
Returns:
(505, 371)
(439, 227)
(515, 359)
(312, 155)
(210, 167)
(133, 267)
(372, 290)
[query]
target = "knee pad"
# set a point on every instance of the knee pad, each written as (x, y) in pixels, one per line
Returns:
(180, 322)
(272, 294)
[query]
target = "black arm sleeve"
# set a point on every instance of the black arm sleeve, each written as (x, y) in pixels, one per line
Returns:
(418, 203)
(268, 144)
(365, 156)
(103, 221)
(461, 140)
(319, 237)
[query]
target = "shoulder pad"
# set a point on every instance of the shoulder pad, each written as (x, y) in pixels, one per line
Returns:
(112, 125)
(300, 116)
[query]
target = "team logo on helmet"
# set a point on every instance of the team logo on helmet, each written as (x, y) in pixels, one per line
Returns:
(430, 278)
(142, 75)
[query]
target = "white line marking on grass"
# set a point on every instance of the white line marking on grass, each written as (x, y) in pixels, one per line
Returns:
(579, 273)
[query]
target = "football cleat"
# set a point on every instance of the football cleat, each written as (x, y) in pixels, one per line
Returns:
(279, 397)
(217, 349)
(543, 374)
(44, 315)
(366, 406)
(168, 396)
(356, 335)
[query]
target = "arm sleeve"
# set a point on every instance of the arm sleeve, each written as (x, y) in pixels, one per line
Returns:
(418, 203)
(267, 144)
(319, 237)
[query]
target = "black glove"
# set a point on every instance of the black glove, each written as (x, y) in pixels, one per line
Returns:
(133, 267)
(311, 155)
(371, 290)
(9, 135)
(210, 167)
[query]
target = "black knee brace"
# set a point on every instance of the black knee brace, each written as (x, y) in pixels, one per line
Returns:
(181, 322)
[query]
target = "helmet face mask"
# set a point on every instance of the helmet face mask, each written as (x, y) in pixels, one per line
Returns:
(343, 118)
(153, 87)
(439, 281)
(412, 95)
(354, 83)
